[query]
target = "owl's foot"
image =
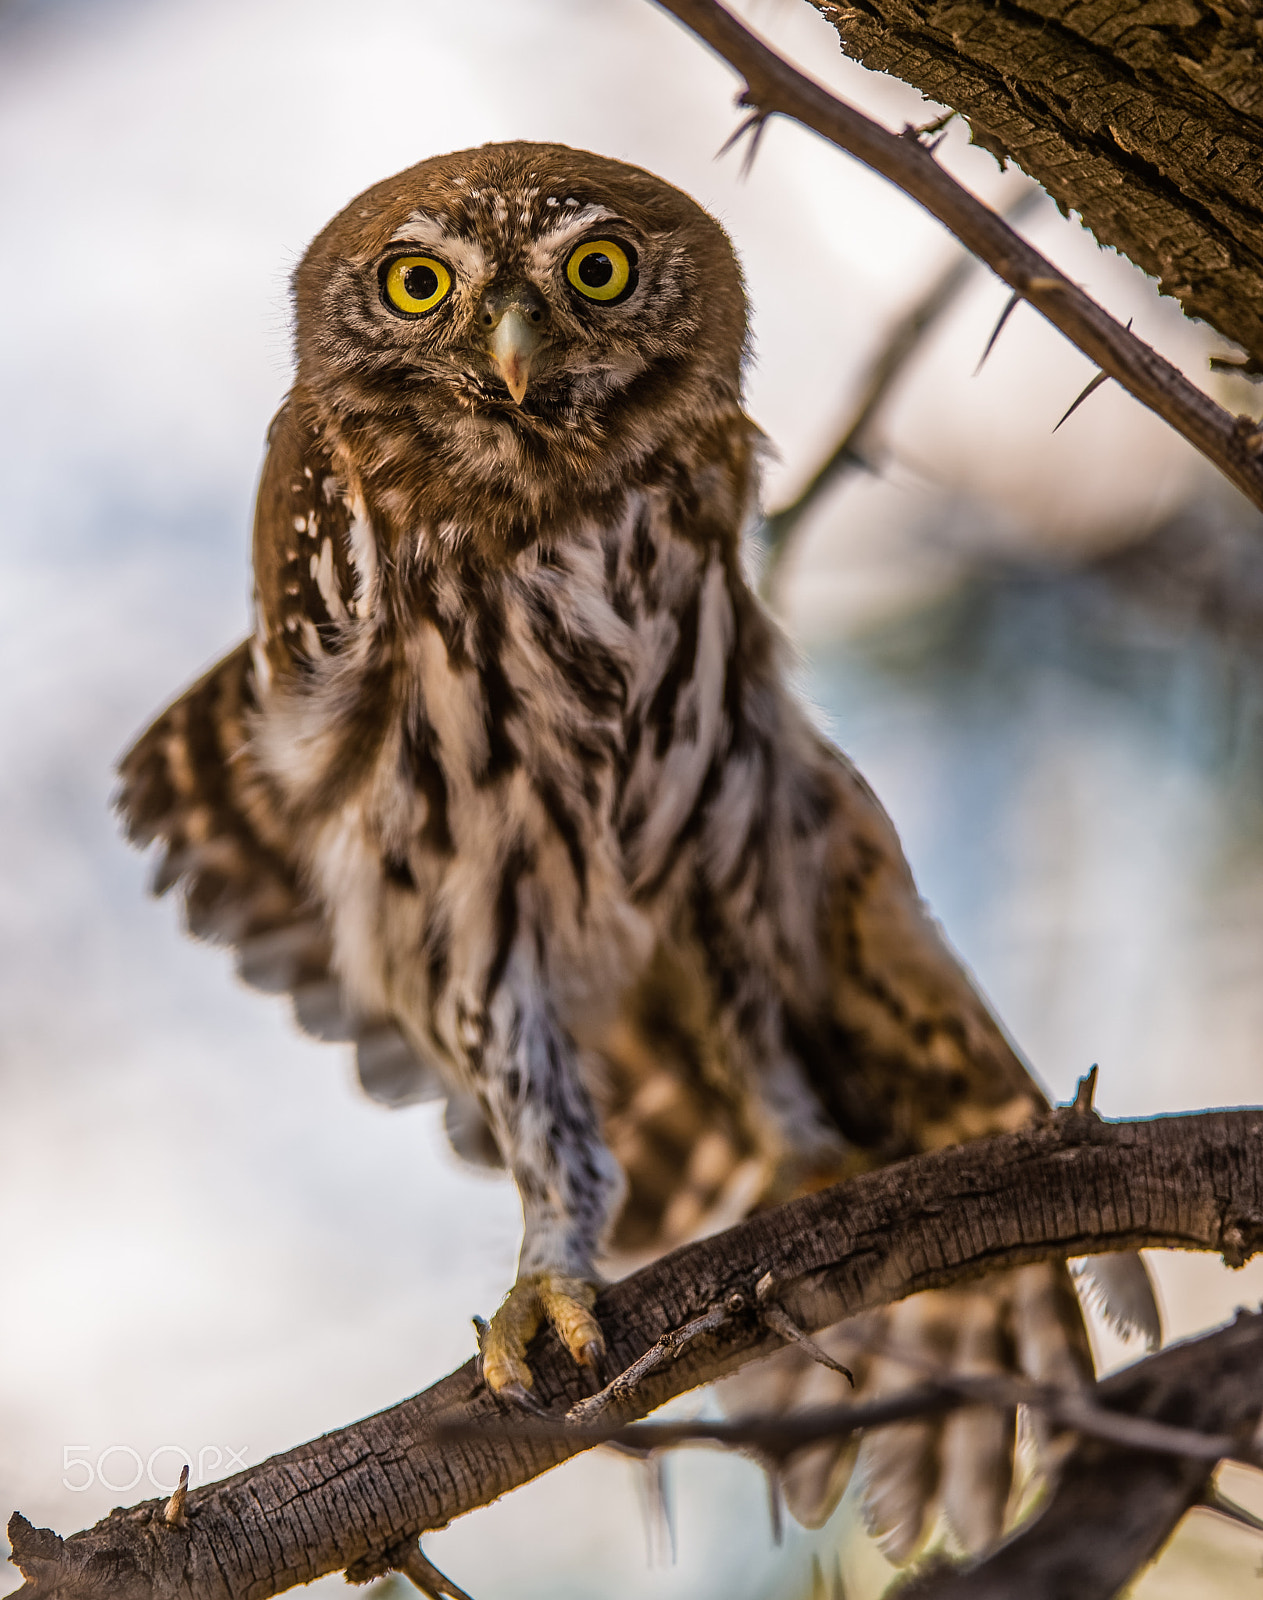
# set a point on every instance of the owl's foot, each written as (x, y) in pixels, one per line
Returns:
(565, 1302)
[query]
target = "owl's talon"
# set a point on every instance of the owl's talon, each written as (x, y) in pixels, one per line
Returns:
(564, 1302)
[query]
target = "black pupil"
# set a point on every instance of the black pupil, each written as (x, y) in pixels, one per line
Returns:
(596, 270)
(421, 282)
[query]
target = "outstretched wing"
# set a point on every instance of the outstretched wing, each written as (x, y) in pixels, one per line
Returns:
(190, 783)
(190, 786)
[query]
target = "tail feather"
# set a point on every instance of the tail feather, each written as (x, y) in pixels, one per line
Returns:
(1024, 1322)
(1118, 1285)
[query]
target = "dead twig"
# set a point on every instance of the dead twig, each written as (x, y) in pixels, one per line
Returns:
(667, 1348)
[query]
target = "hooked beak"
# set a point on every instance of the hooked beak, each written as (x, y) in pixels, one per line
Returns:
(513, 347)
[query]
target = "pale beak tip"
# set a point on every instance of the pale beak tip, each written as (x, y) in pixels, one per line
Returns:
(512, 349)
(515, 375)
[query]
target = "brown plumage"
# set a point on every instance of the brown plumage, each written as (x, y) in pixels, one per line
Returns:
(508, 786)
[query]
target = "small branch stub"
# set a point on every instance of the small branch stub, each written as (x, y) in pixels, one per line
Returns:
(1085, 1094)
(425, 1576)
(173, 1513)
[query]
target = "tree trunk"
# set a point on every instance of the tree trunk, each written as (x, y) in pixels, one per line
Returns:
(1145, 119)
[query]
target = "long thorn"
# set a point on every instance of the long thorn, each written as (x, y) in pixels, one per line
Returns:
(739, 132)
(1010, 306)
(659, 1509)
(1101, 377)
(1218, 1502)
(785, 1325)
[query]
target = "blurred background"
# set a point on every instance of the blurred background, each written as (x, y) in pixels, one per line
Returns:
(1043, 650)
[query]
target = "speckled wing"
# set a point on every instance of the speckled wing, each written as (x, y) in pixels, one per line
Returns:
(190, 783)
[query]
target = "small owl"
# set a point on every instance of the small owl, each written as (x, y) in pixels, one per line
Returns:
(508, 787)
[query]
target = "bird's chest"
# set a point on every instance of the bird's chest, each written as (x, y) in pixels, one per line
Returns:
(464, 772)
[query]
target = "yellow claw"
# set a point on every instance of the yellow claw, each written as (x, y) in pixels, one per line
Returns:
(565, 1302)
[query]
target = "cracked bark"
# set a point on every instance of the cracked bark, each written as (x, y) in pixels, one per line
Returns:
(357, 1499)
(1145, 119)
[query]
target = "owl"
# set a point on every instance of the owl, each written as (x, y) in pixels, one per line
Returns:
(508, 787)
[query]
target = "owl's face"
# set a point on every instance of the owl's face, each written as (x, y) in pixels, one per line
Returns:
(522, 299)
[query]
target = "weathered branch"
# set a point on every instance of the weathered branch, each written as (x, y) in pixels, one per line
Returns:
(1146, 120)
(1235, 445)
(359, 1498)
(1150, 1437)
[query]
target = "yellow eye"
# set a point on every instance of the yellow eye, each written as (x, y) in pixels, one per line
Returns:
(414, 285)
(602, 270)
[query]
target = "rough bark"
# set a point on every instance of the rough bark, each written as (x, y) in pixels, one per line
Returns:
(1145, 119)
(357, 1499)
(773, 87)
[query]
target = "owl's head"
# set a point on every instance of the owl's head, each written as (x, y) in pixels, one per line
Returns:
(528, 300)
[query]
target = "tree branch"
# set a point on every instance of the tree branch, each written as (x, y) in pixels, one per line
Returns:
(1147, 121)
(1234, 444)
(1113, 1506)
(358, 1499)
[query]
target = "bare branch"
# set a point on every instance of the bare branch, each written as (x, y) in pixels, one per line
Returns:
(891, 360)
(358, 1499)
(774, 87)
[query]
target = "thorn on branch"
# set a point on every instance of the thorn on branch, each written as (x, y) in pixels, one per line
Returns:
(1155, 382)
(781, 1322)
(1010, 306)
(917, 134)
(753, 124)
(1239, 366)
(775, 1498)
(1085, 1095)
(1091, 388)
(658, 1507)
(424, 1575)
(1215, 1500)
(173, 1513)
